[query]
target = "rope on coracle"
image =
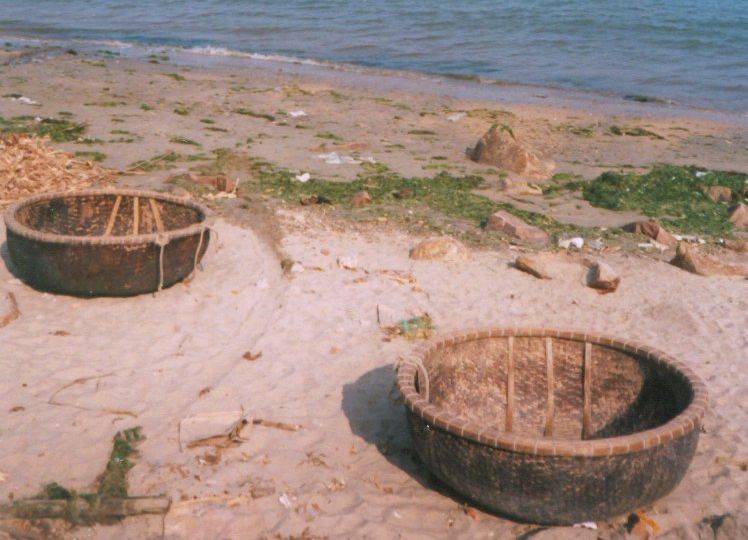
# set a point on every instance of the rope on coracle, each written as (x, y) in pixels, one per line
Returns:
(162, 240)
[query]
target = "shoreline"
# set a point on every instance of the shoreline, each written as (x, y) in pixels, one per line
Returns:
(457, 86)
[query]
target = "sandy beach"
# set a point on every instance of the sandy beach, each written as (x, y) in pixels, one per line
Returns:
(301, 351)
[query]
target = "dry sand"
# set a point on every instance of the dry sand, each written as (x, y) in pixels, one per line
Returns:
(156, 360)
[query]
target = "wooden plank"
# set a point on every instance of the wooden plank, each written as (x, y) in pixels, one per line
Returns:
(113, 216)
(510, 386)
(156, 215)
(587, 412)
(135, 215)
(550, 409)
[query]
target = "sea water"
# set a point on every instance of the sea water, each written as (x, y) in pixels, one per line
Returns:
(693, 52)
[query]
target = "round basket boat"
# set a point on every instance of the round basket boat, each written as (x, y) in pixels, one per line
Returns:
(549, 426)
(105, 242)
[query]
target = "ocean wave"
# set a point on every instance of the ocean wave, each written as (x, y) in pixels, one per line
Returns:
(208, 50)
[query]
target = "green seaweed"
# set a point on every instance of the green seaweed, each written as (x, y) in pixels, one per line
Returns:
(634, 132)
(670, 193)
(146, 107)
(104, 103)
(175, 76)
(184, 140)
(249, 112)
(421, 132)
(164, 161)
(55, 491)
(435, 200)
(86, 508)
(329, 136)
(563, 182)
(91, 156)
(59, 130)
(113, 481)
(579, 131)
(181, 110)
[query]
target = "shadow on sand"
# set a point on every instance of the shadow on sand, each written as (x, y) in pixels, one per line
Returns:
(375, 412)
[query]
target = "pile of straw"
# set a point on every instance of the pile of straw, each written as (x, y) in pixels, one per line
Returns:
(28, 166)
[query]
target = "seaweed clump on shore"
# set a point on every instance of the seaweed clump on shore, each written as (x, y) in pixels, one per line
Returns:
(57, 129)
(675, 195)
(108, 504)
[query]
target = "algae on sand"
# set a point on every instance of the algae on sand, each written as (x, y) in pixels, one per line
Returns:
(109, 503)
(670, 193)
(59, 130)
(435, 202)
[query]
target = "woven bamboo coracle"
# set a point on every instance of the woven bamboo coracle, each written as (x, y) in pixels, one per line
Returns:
(550, 426)
(105, 242)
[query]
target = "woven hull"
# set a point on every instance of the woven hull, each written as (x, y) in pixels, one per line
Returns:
(105, 242)
(103, 269)
(552, 426)
(558, 490)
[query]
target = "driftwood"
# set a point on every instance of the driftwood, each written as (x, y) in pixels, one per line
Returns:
(12, 314)
(80, 510)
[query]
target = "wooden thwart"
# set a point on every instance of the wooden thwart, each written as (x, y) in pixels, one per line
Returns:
(587, 412)
(510, 386)
(135, 215)
(548, 432)
(113, 216)
(156, 215)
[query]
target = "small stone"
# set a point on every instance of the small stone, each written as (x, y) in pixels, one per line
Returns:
(602, 276)
(515, 227)
(741, 246)
(180, 192)
(653, 230)
(719, 193)
(687, 258)
(443, 248)
(520, 187)
(739, 216)
(361, 199)
(405, 193)
(533, 266)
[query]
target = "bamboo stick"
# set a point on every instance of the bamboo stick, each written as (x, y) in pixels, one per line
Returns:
(510, 386)
(113, 216)
(551, 383)
(587, 414)
(135, 215)
(156, 215)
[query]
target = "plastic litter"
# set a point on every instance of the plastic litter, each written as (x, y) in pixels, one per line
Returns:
(348, 262)
(303, 178)
(296, 114)
(456, 117)
(586, 525)
(27, 101)
(596, 244)
(333, 158)
(285, 501)
(566, 243)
